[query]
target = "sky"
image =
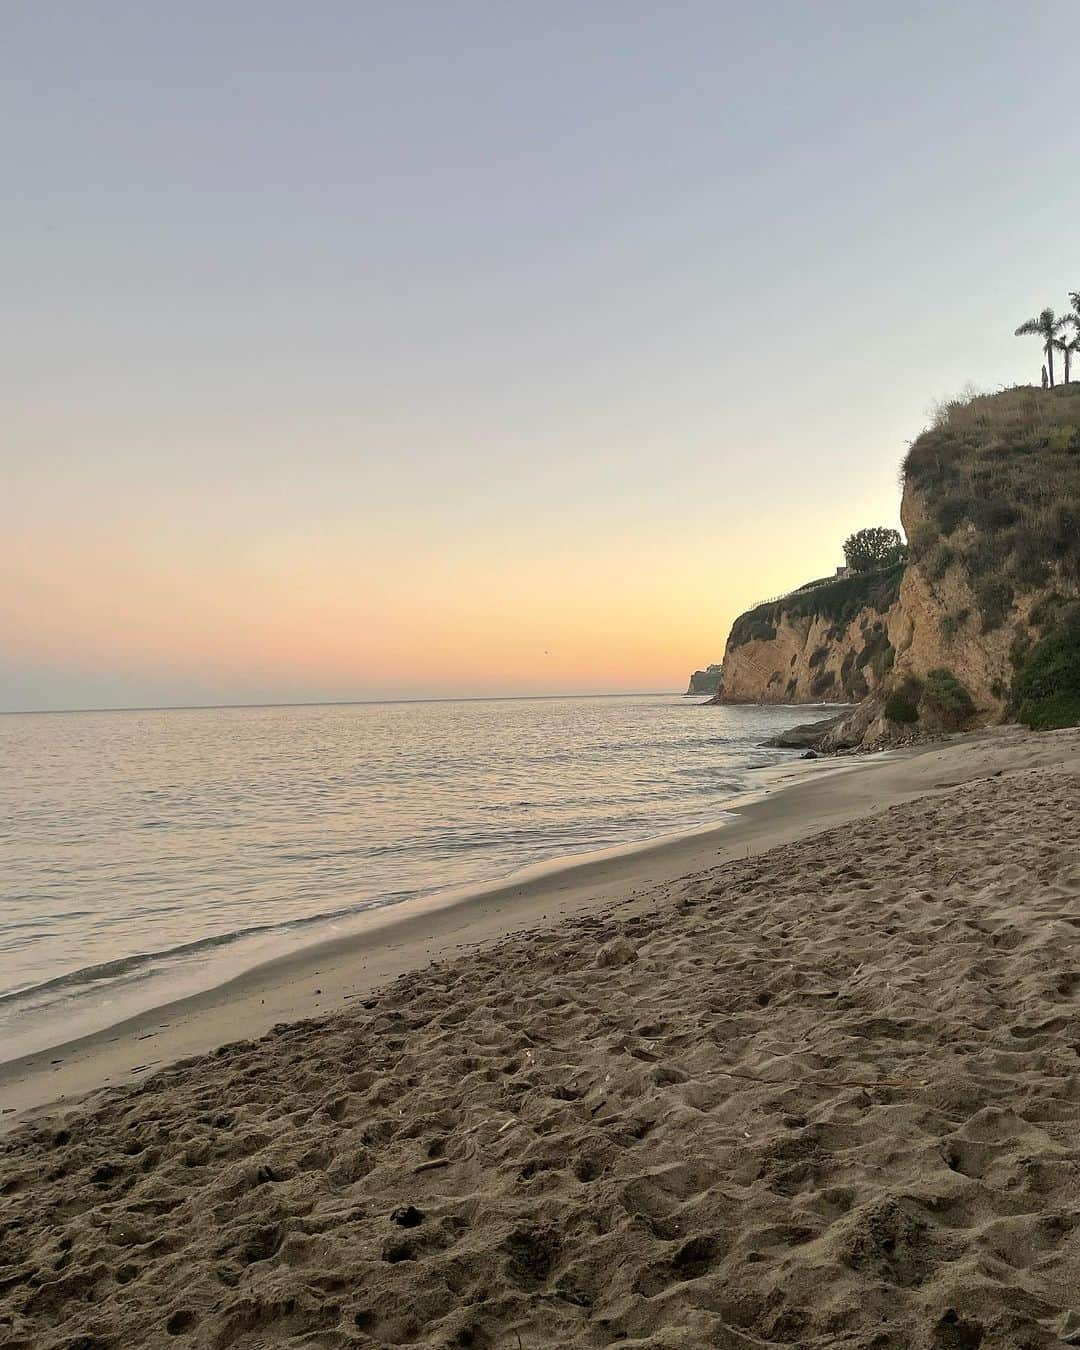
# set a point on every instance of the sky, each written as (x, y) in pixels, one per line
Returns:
(360, 350)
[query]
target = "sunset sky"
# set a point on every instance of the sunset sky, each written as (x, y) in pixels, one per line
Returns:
(357, 349)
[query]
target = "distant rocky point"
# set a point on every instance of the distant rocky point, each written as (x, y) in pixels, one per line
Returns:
(705, 681)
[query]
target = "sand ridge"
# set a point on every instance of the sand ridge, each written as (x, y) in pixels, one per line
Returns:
(827, 1096)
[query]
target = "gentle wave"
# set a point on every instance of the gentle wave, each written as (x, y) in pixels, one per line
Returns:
(142, 847)
(124, 965)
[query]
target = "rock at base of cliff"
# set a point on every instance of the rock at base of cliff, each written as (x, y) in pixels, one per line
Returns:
(861, 726)
(807, 736)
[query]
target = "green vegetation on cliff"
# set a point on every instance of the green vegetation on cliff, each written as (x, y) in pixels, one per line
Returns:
(902, 705)
(1001, 476)
(1047, 685)
(948, 697)
(941, 695)
(838, 601)
(873, 549)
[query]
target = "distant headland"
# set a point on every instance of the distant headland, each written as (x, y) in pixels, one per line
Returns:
(705, 681)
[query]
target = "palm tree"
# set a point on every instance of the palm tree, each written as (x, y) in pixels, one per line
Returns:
(1068, 347)
(1047, 326)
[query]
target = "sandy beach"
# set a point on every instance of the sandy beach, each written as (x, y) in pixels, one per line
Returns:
(808, 1079)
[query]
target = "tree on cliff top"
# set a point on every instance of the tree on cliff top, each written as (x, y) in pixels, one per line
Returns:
(871, 549)
(1046, 326)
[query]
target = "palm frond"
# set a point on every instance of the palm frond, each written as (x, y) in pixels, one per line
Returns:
(1045, 325)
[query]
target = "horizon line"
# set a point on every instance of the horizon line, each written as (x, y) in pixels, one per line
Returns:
(328, 703)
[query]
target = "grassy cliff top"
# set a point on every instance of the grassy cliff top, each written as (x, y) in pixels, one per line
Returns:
(995, 426)
(1000, 477)
(838, 601)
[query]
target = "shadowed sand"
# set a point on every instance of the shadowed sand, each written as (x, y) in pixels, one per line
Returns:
(827, 1095)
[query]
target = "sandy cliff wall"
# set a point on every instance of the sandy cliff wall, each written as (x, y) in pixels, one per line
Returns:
(976, 628)
(808, 661)
(828, 644)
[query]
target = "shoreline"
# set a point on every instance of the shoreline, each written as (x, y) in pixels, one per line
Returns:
(151, 923)
(260, 946)
(336, 972)
(73, 1066)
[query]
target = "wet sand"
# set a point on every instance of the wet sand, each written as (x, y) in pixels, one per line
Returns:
(796, 799)
(808, 1079)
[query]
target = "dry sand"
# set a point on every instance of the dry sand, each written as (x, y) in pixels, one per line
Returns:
(826, 1095)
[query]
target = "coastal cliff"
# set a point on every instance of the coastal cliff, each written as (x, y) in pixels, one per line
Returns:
(828, 642)
(991, 509)
(705, 681)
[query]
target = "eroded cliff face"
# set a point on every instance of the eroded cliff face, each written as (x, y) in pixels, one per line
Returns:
(830, 642)
(809, 659)
(933, 646)
(936, 624)
(974, 628)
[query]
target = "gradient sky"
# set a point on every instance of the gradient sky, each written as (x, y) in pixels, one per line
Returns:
(364, 349)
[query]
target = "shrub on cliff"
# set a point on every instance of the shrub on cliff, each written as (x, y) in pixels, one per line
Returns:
(948, 697)
(1046, 615)
(872, 549)
(994, 597)
(900, 706)
(1047, 685)
(1051, 714)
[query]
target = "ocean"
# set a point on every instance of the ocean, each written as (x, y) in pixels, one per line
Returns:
(147, 855)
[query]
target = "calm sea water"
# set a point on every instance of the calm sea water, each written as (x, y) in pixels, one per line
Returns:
(145, 855)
